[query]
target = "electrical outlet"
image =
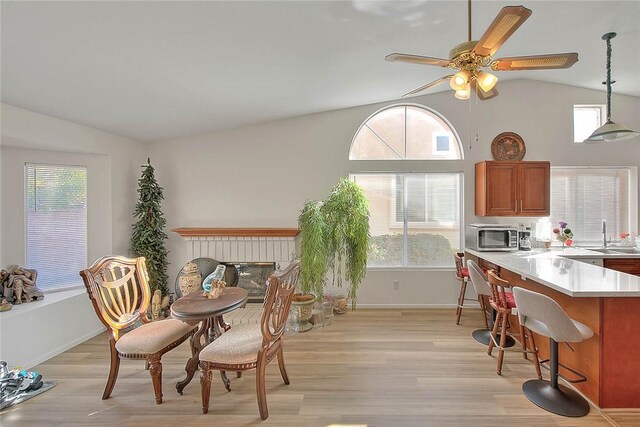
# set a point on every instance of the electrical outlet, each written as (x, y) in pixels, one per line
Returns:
(396, 285)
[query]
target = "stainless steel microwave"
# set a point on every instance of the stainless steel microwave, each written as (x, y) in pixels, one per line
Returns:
(491, 237)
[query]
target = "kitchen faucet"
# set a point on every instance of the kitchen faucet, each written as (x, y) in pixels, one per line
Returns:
(604, 233)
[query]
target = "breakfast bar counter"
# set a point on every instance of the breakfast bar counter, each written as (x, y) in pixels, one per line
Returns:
(606, 300)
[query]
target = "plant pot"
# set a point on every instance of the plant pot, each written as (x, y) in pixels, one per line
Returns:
(300, 313)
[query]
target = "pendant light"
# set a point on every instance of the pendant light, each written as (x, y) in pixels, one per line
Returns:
(610, 131)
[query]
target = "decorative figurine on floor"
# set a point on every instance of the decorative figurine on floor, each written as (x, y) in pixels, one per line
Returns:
(21, 285)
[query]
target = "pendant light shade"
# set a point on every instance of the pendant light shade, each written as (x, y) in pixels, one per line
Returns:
(610, 131)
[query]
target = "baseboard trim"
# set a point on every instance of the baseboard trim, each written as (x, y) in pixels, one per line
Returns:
(63, 348)
(407, 306)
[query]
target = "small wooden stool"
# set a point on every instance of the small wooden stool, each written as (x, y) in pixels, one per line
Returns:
(462, 274)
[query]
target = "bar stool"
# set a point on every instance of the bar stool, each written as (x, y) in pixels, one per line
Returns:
(544, 316)
(462, 274)
(482, 288)
(504, 303)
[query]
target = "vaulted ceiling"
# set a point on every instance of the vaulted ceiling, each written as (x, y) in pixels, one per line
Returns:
(159, 70)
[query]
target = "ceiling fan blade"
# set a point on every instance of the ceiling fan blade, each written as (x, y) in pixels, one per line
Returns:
(429, 85)
(417, 59)
(482, 95)
(535, 62)
(503, 26)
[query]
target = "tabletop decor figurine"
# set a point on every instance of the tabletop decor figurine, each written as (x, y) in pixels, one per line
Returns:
(159, 305)
(214, 284)
(190, 279)
(563, 234)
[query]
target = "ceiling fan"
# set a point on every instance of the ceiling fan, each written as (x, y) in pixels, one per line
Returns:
(469, 57)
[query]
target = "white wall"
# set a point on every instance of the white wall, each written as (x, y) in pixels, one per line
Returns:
(261, 175)
(121, 158)
(62, 319)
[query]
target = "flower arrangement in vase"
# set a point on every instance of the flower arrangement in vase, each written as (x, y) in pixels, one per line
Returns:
(563, 234)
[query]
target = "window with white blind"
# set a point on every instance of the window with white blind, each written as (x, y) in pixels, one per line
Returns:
(56, 223)
(584, 196)
(414, 218)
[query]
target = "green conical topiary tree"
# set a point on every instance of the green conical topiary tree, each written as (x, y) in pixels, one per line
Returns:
(148, 235)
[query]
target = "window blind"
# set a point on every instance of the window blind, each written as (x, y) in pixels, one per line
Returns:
(583, 197)
(56, 223)
(414, 218)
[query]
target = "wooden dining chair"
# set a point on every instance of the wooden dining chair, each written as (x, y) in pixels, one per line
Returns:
(504, 304)
(253, 346)
(118, 288)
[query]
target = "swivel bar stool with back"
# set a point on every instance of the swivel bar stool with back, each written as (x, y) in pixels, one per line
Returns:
(544, 316)
(483, 290)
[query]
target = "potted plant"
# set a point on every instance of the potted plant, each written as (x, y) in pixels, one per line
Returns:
(335, 236)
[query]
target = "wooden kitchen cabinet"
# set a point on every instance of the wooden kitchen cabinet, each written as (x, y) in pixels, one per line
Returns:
(626, 265)
(512, 188)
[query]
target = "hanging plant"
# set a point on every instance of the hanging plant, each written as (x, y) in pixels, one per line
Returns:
(148, 235)
(335, 235)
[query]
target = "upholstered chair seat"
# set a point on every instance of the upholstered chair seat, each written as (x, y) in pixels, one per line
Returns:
(239, 345)
(152, 337)
(540, 328)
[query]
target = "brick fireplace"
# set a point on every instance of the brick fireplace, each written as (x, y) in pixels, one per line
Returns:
(241, 247)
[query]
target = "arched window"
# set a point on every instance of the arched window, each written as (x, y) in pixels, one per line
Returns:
(415, 217)
(406, 132)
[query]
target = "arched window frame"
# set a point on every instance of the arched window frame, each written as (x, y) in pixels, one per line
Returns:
(407, 104)
(406, 167)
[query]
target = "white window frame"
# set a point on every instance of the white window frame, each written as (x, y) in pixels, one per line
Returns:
(70, 286)
(602, 109)
(456, 137)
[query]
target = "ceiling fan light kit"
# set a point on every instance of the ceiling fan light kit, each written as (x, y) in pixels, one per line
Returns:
(460, 80)
(469, 57)
(463, 93)
(486, 81)
(610, 131)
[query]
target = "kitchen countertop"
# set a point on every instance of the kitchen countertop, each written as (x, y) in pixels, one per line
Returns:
(561, 270)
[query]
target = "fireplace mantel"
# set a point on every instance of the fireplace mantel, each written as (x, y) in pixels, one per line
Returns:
(236, 232)
(240, 244)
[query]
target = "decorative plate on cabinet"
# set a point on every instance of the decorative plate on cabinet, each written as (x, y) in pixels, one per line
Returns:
(508, 146)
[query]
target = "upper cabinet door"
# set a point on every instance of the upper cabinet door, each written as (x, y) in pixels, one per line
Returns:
(496, 184)
(534, 189)
(512, 188)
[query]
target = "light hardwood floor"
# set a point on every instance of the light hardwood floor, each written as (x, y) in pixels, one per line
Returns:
(370, 368)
